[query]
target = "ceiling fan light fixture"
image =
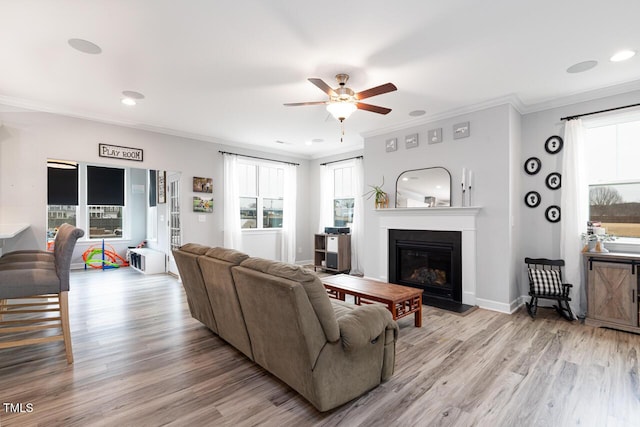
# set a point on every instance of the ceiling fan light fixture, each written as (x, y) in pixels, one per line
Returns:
(341, 110)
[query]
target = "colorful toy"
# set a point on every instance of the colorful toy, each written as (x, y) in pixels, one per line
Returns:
(106, 258)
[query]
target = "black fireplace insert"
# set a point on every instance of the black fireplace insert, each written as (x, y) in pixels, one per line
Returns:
(427, 259)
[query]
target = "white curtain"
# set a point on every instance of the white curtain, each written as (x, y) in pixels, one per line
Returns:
(573, 210)
(357, 227)
(326, 198)
(288, 244)
(232, 222)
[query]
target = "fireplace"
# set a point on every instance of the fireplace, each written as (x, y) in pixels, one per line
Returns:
(427, 259)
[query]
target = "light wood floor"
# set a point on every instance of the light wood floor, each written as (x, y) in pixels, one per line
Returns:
(140, 360)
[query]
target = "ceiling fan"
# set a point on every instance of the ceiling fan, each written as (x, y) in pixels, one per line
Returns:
(343, 100)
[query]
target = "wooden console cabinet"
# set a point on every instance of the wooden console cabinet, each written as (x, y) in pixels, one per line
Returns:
(332, 252)
(612, 290)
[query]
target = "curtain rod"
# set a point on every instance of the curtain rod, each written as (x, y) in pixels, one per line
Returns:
(343, 160)
(260, 158)
(598, 112)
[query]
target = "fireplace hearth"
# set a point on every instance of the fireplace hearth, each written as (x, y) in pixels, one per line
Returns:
(430, 260)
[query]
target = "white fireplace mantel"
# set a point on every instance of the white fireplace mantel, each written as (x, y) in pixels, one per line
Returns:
(461, 219)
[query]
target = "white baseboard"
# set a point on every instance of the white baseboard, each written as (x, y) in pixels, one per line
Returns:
(494, 305)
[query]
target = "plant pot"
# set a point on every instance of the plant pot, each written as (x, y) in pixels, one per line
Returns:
(382, 201)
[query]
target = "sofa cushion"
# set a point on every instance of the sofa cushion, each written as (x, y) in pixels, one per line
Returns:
(312, 286)
(228, 255)
(194, 248)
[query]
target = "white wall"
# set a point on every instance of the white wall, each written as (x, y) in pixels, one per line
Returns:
(538, 237)
(29, 138)
(488, 153)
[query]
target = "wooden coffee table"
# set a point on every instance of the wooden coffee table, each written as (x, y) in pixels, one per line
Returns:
(400, 300)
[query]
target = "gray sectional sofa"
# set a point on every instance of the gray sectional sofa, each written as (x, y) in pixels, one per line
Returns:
(280, 316)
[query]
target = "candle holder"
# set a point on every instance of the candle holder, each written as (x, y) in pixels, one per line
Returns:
(463, 194)
(470, 204)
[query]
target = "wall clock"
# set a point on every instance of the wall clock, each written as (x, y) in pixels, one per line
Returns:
(532, 199)
(552, 213)
(553, 144)
(532, 165)
(553, 181)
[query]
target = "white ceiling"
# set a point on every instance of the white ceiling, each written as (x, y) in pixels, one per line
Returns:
(221, 70)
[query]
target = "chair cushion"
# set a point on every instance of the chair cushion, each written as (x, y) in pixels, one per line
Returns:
(545, 282)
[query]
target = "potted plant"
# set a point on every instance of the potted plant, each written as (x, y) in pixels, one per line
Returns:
(381, 199)
(595, 242)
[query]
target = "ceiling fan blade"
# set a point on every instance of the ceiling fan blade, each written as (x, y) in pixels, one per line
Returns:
(298, 104)
(378, 90)
(373, 108)
(323, 86)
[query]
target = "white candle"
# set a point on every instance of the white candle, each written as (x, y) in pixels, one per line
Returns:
(470, 178)
(464, 176)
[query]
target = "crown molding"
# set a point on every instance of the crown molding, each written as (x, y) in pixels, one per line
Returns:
(582, 97)
(512, 100)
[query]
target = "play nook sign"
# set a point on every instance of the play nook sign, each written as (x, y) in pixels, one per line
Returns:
(117, 152)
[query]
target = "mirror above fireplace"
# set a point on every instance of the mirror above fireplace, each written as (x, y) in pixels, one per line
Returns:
(428, 187)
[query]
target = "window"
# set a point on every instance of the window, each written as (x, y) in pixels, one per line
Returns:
(343, 195)
(613, 176)
(62, 194)
(261, 194)
(100, 209)
(105, 201)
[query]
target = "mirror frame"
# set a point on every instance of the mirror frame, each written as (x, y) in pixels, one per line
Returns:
(423, 169)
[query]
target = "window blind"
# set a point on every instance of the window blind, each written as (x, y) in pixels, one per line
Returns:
(105, 186)
(62, 184)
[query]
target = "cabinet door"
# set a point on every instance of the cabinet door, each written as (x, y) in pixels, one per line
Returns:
(612, 290)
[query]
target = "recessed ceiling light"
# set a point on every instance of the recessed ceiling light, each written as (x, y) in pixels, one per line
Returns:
(417, 113)
(317, 140)
(85, 46)
(308, 142)
(129, 101)
(623, 55)
(581, 67)
(132, 94)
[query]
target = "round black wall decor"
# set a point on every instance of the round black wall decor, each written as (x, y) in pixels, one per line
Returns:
(553, 181)
(532, 165)
(532, 199)
(552, 213)
(553, 144)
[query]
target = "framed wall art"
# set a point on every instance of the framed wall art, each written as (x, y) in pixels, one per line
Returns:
(553, 181)
(532, 165)
(552, 213)
(553, 144)
(532, 199)
(162, 187)
(391, 144)
(411, 141)
(202, 185)
(202, 204)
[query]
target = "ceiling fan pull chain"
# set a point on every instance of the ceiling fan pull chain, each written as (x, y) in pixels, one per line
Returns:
(342, 126)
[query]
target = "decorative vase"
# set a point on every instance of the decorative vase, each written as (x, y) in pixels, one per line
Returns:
(599, 247)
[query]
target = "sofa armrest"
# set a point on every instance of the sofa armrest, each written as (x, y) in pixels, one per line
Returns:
(365, 324)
